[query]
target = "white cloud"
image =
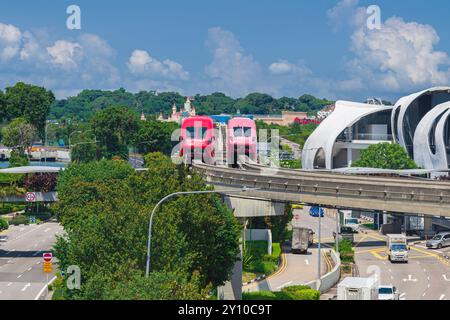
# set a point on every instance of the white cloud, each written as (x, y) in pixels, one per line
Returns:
(282, 67)
(400, 56)
(10, 40)
(346, 13)
(231, 70)
(142, 64)
(65, 54)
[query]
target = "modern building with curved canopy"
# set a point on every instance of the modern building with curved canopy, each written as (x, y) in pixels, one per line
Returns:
(418, 122)
(410, 110)
(349, 129)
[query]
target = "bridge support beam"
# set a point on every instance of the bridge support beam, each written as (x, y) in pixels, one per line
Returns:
(428, 224)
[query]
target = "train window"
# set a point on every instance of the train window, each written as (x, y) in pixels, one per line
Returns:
(196, 132)
(243, 132)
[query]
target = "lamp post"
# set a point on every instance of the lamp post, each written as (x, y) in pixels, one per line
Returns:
(147, 270)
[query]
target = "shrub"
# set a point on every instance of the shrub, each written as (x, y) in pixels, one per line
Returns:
(296, 288)
(3, 224)
(288, 293)
(307, 294)
(19, 220)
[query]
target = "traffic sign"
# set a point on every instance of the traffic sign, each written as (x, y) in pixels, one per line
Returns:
(48, 266)
(48, 256)
(30, 197)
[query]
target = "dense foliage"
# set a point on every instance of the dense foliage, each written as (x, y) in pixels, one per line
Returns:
(86, 103)
(385, 156)
(104, 207)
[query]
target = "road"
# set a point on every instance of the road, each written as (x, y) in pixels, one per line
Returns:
(425, 277)
(297, 268)
(21, 275)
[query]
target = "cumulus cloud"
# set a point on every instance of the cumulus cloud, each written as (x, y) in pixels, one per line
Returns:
(10, 41)
(283, 67)
(346, 13)
(65, 54)
(142, 64)
(399, 56)
(231, 70)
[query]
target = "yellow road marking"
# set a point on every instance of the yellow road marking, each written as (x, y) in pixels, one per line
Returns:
(360, 240)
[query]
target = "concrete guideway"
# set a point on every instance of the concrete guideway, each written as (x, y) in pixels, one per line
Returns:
(395, 195)
(21, 275)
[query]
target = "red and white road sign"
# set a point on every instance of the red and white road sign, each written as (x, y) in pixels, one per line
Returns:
(30, 197)
(48, 256)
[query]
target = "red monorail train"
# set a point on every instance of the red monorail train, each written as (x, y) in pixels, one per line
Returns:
(241, 139)
(198, 139)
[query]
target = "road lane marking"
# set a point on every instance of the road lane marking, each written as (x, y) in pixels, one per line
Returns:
(306, 261)
(445, 277)
(424, 294)
(390, 270)
(45, 287)
(19, 276)
(410, 278)
(26, 287)
(442, 297)
(47, 230)
(9, 284)
(429, 286)
(392, 277)
(29, 269)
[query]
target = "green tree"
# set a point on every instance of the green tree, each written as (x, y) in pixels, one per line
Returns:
(104, 207)
(385, 156)
(114, 128)
(154, 136)
(31, 102)
(19, 134)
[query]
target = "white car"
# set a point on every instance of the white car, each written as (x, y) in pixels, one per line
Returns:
(387, 293)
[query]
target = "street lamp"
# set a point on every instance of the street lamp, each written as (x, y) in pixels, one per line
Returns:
(147, 270)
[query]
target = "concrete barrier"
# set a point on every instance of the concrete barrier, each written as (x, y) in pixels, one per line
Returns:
(330, 279)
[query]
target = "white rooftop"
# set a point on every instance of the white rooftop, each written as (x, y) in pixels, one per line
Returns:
(32, 169)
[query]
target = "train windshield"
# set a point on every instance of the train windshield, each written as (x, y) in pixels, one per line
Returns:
(196, 132)
(243, 132)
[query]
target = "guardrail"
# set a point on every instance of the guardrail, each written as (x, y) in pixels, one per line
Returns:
(330, 279)
(336, 190)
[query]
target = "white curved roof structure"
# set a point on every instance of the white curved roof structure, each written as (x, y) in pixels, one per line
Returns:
(401, 108)
(345, 115)
(432, 125)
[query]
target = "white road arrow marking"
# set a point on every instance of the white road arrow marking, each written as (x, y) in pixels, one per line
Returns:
(410, 278)
(26, 287)
(445, 277)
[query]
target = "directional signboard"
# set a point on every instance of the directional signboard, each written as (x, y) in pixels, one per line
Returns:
(48, 264)
(30, 197)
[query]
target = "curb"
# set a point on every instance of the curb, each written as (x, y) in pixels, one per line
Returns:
(255, 280)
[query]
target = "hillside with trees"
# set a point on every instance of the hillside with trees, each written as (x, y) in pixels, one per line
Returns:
(86, 103)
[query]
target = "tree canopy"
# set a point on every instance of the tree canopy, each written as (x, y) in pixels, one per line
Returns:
(104, 207)
(30, 102)
(385, 156)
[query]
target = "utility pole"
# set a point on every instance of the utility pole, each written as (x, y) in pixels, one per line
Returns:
(319, 245)
(337, 231)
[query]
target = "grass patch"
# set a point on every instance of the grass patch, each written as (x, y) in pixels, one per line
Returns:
(257, 261)
(288, 293)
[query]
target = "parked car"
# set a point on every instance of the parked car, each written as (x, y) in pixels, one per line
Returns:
(388, 292)
(440, 240)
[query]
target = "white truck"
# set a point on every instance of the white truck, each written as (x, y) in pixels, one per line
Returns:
(397, 246)
(302, 238)
(355, 288)
(349, 221)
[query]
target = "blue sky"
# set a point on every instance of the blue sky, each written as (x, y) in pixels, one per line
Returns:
(280, 47)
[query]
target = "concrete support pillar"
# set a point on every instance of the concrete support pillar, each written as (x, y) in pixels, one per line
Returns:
(428, 224)
(349, 157)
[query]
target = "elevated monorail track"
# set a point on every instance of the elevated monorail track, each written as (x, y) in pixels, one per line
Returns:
(390, 194)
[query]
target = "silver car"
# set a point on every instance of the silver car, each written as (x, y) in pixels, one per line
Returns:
(440, 240)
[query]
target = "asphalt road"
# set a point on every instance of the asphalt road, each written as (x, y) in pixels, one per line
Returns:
(298, 268)
(425, 277)
(21, 274)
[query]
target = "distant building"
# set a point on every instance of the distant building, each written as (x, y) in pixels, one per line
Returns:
(286, 118)
(143, 118)
(188, 110)
(420, 123)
